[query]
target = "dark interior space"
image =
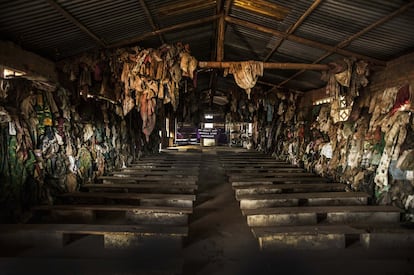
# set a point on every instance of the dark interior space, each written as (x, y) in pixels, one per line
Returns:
(206, 137)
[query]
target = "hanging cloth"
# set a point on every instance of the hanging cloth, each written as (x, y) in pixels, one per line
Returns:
(246, 74)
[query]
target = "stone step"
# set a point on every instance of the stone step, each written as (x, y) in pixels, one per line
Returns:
(306, 237)
(309, 215)
(287, 188)
(304, 180)
(146, 199)
(158, 187)
(128, 214)
(160, 172)
(158, 179)
(302, 199)
(114, 236)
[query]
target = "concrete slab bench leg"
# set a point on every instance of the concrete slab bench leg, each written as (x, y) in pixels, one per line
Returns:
(282, 219)
(374, 217)
(148, 217)
(325, 241)
(166, 202)
(387, 240)
(254, 204)
(150, 243)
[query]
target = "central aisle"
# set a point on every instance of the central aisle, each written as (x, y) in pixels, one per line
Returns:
(219, 237)
(221, 243)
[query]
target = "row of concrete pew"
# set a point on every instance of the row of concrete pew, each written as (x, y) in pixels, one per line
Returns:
(148, 201)
(289, 208)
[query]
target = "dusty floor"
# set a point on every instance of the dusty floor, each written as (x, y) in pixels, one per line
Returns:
(219, 242)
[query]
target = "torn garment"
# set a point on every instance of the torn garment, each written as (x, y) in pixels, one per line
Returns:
(246, 74)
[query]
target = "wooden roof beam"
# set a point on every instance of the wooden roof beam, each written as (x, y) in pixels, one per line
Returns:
(301, 40)
(72, 19)
(150, 19)
(267, 65)
(144, 36)
(291, 30)
(220, 38)
(353, 37)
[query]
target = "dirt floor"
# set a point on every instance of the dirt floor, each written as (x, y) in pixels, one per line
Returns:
(219, 242)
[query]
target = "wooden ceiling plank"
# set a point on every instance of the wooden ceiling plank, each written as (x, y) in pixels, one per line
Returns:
(72, 19)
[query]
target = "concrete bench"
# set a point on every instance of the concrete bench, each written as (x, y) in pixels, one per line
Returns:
(297, 199)
(164, 166)
(334, 236)
(252, 189)
(137, 170)
(257, 165)
(308, 215)
(306, 237)
(158, 187)
(237, 176)
(247, 170)
(141, 179)
(170, 179)
(150, 174)
(114, 236)
(135, 214)
(147, 199)
(303, 180)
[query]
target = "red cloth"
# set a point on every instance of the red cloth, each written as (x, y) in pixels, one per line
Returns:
(403, 98)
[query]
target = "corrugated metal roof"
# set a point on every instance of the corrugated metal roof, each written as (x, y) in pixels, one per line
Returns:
(37, 26)
(253, 42)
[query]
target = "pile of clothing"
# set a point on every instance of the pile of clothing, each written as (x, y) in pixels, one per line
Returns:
(50, 143)
(372, 151)
(148, 77)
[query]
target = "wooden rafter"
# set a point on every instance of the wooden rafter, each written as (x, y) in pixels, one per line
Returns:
(228, 7)
(150, 19)
(315, 4)
(72, 19)
(144, 36)
(301, 40)
(353, 37)
(220, 38)
(177, 8)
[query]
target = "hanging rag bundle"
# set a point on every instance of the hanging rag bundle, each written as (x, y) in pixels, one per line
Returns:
(246, 74)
